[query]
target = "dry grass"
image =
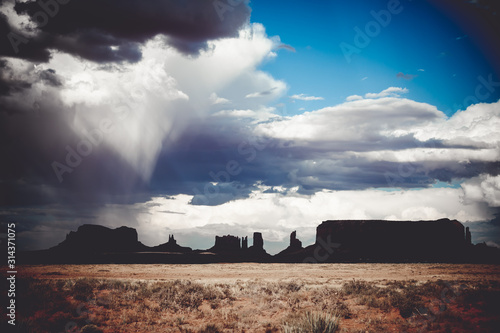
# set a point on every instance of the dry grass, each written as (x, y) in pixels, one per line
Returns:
(313, 322)
(116, 305)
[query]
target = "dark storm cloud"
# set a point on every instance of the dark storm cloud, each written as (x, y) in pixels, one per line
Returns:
(8, 82)
(200, 164)
(50, 77)
(33, 48)
(113, 30)
(31, 139)
(35, 126)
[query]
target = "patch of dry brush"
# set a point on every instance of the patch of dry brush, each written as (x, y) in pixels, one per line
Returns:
(103, 305)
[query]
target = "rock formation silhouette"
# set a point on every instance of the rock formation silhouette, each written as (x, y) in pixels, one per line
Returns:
(257, 249)
(468, 237)
(258, 242)
(336, 241)
(91, 238)
(294, 247)
(233, 246)
(171, 246)
(226, 244)
(376, 240)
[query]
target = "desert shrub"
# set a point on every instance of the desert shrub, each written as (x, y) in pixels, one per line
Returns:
(270, 328)
(432, 289)
(59, 285)
(114, 285)
(291, 287)
(59, 319)
(313, 322)
(359, 288)
(407, 302)
(375, 301)
(145, 291)
(342, 310)
(400, 284)
(45, 305)
(179, 294)
(406, 296)
(91, 328)
(488, 300)
(83, 289)
(210, 328)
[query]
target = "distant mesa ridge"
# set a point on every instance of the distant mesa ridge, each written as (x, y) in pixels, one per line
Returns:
(233, 245)
(395, 240)
(226, 243)
(93, 238)
(441, 240)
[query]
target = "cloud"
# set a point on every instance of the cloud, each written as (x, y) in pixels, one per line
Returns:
(260, 115)
(280, 45)
(475, 127)
(135, 114)
(273, 212)
(262, 93)
(53, 110)
(114, 31)
(353, 98)
(401, 75)
(483, 188)
(391, 91)
(214, 99)
(286, 47)
(303, 97)
(276, 214)
(384, 142)
(357, 121)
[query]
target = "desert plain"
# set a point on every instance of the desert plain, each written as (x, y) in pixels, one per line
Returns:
(254, 297)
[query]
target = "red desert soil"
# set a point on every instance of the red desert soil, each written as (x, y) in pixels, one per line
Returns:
(264, 296)
(333, 274)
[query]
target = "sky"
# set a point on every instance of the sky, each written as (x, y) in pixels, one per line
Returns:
(204, 118)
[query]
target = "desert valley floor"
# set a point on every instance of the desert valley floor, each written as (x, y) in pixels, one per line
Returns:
(252, 297)
(330, 274)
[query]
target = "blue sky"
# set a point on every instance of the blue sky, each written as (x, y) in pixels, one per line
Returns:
(420, 41)
(197, 122)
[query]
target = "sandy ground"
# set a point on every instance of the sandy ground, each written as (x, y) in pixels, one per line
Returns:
(261, 307)
(310, 273)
